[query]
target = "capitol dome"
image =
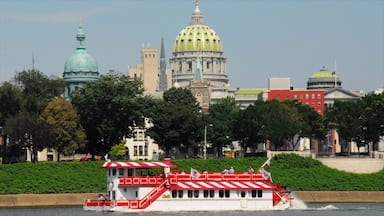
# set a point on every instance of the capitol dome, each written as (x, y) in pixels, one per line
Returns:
(323, 79)
(80, 60)
(197, 36)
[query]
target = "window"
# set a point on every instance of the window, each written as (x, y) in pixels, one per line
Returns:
(221, 193)
(227, 193)
(254, 193)
(135, 150)
(259, 193)
(140, 150)
(190, 194)
(121, 172)
(113, 172)
(306, 96)
(318, 96)
(211, 193)
(174, 194)
(313, 96)
(181, 193)
(196, 194)
(242, 193)
(206, 193)
(208, 64)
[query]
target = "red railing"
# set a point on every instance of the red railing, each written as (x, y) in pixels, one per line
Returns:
(149, 181)
(240, 176)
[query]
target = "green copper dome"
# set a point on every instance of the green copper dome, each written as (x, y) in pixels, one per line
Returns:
(80, 60)
(323, 73)
(197, 36)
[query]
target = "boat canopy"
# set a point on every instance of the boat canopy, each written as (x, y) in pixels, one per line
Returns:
(139, 165)
(222, 185)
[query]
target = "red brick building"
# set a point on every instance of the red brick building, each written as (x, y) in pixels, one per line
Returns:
(312, 98)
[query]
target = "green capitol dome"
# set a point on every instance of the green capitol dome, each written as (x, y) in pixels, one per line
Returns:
(80, 60)
(323, 79)
(197, 36)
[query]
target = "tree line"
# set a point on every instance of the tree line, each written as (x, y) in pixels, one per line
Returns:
(34, 116)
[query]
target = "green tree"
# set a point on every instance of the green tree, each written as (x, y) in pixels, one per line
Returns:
(313, 125)
(119, 151)
(177, 122)
(28, 131)
(220, 121)
(38, 89)
(346, 116)
(107, 108)
(248, 125)
(281, 123)
(64, 120)
(10, 105)
(372, 116)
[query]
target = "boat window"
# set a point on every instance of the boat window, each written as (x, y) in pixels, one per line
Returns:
(190, 194)
(254, 193)
(181, 194)
(174, 194)
(212, 193)
(130, 172)
(113, 172)
(259, 193)
(113, 195)
(242, 194)
(227, 193)
(206, 193)
(196, 192)
(121, 172)
(221, 193)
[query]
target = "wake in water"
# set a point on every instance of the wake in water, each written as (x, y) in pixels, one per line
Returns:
(297, 203)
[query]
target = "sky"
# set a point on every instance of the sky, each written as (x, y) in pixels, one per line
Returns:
(261, 38)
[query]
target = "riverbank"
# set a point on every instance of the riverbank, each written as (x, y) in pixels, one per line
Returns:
(74, 199)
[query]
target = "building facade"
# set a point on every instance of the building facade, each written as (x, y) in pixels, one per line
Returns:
(79, 68)
(199, 40)
(148, 69)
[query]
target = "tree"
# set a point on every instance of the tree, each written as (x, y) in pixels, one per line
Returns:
(27, 131)
(177, 121)
(282, 123)
(313, 125)
(10, 105)
(248, 125)
(107, 107)
(346, 116)
(38, 89)
(221, 117)
(65, 122)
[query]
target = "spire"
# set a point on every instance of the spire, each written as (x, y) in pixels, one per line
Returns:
(198, 71)
(163, 85)
(80, 36)
(197, 15)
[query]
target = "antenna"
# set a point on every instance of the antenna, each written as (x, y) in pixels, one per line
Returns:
(33, 62)
(334, 71)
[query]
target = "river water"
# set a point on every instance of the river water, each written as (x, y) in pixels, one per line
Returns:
(324, 209)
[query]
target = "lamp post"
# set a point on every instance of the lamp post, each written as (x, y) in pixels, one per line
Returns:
(205, 140)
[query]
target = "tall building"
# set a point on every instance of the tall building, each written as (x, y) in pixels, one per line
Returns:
(148, 69)
(79, 68)
(199, 40)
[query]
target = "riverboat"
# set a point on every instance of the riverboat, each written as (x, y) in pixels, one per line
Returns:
(160, 186)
